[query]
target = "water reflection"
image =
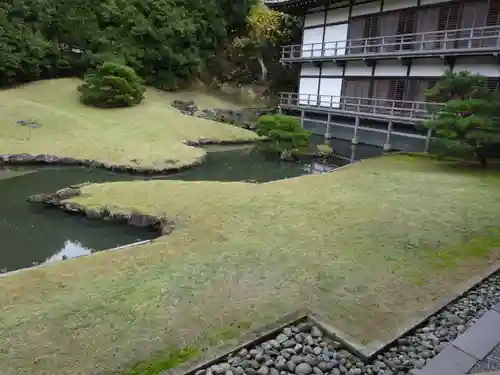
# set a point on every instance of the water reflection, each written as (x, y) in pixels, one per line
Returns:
(71, 249)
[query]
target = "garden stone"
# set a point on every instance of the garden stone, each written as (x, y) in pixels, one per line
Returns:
(238, 370)
(318, 351)
(274, 371)
(254, 352)
(259, 357)
(275, 344)
(269, 363)
(317, 371)
(216, 369)
(288, 332)
(291, 366)
(289, 344)
(297, 359)
(336, 371)
(303, 369)
(357, 371)
(200, 372)
(229, 373)
(281, 338)
(266, 346)
(297, 348)
(316, 332)
(245, 364)
(225, 366)
(304, 327)
(281, 364)
(251, 371)
(323, 366)
(254, 364)
(311, 360)
(264, 370)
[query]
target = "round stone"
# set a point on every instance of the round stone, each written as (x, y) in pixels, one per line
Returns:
(291, 366)
(281, 338)
(273, 371)
(225, 366)
(317, 371)
(303, 369)
(311, 360)
(316, 332)
(264, 370)
(297, 359)
(288, 332)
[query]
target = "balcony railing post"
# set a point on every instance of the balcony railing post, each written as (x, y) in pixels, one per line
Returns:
(471, 35)
(387, 144)
(355, 139)
(393, 107)
(428, 140)
(328, 135)
(358, 109)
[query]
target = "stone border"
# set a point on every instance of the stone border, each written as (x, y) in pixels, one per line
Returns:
(375, 347)
(162, 224)
(46, 159)
(469, 348)
(256, 336)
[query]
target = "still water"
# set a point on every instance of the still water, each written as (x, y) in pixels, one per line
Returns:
(32, 234)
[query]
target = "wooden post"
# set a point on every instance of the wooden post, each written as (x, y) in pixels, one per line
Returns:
(328, 135)
(428, 140)
(387, 144)
(302, 114)
(355, 139)
(353, 153)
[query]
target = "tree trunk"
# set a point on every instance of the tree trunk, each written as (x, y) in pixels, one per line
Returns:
(481, 157)
(263, 69)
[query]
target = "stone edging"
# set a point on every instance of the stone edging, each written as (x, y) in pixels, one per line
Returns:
(46, 159)
(58, 199)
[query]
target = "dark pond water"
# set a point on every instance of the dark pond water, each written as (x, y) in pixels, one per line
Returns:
(32, 234)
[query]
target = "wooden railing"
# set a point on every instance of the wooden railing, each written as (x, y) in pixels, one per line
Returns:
(384, 108)
(485, 38)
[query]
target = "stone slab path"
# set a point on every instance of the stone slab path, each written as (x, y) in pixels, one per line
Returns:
(477, 350)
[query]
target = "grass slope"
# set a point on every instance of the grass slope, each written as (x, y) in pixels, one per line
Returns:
(146, 135)
(366, 246)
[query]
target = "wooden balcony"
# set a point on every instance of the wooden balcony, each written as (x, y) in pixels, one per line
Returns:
(472, 41)
(372, 108)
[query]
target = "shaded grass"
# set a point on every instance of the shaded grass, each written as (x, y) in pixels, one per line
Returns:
(366, 247)
(148, 135)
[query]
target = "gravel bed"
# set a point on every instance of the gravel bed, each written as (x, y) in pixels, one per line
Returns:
(304, 350)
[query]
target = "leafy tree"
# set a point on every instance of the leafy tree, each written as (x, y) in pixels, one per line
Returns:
(470, 117)
(264, 29)
(284, 134)
(112, 85)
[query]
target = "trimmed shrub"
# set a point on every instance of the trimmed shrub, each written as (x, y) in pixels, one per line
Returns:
(284, 134)
(112, 85)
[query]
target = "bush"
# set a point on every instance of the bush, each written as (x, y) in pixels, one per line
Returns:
(470, 119)
(112, 85)
(284, 134)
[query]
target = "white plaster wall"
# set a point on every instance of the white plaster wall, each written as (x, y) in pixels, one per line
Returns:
(337, 15)
(363, 9)
(312, 40)
(329, 91)
(308, 86)
(330, 69)
(477, 66)
(309, 70)
(357, 68)
(335, 39)
(398, 4)
(428, 68)
(390, 68)
(313, 19)
(432, 2)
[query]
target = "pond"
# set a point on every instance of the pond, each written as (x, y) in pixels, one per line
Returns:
(32, 234)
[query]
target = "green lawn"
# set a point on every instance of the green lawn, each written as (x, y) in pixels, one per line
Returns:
(366, 246)
(149, 135)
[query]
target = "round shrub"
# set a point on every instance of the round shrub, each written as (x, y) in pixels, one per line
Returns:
(112, 85)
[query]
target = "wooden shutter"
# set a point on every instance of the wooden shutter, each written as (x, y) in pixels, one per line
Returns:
(437, 98)
(397, 89)
(449, 19)
(371, 32)
(493, 17)
(355, 34)
(406, 25)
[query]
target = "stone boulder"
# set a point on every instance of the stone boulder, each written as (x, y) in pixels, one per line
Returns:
(243, 118)
(187, 107)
